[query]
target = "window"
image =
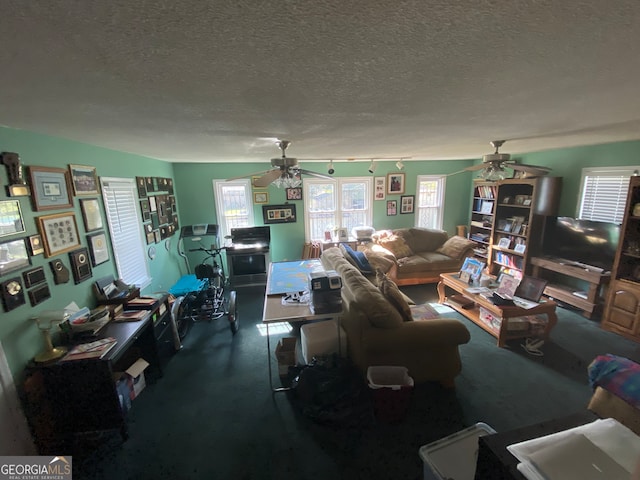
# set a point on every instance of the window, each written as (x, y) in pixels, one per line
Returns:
(234, 205)
(343, 202)
(430, 201)
(603, 193)
(121, 206)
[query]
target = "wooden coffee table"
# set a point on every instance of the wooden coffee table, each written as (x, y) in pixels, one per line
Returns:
(506, 313)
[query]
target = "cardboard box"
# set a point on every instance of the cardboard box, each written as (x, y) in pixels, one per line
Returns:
(286, 354)
(133, 377)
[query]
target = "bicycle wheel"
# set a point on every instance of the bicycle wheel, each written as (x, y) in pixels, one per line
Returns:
(233, 313)
(182, 315)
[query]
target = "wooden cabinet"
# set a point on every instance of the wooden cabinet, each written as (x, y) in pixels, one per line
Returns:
(622, 310)
(518, 209)
(482, 209)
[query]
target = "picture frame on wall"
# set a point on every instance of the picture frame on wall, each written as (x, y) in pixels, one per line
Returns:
(59, 233)
(10, 218)
(285, 213)
(141, 185)
(50, 188)
(98, 248)
(16, 258)
(84, 180)
(407, 204)
(294, 193)
(392, 207)
(380, 187)
(260, 197)
(395, 183)
(91, 215)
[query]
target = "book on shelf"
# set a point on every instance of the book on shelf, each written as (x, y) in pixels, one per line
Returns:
(142, 303)
(460, 301)
(95, 349)
(131, 315)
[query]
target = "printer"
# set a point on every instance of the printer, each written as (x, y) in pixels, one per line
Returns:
(325, 289)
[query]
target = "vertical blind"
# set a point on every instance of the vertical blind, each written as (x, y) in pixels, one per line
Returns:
(120, 203)
(604, 194)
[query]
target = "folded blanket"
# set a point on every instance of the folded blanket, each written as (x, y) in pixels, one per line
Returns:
(617, 375)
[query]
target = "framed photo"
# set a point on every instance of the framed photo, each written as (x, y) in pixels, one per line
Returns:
(13, 256)
(406, 203)
(260, 197)
(392, 207)
(520, 199)
(91, 214)
(504, 242)
(473, 267)
(145, 210)
(59, 233)
(153, 204)
(526, 202)
(279, 213)
(294, 193)
(520, 248)
(343, 235)
(395, 183)
(380, 188)
(141, 185)
(10, 218)
(84, 180)
(98, 248)
(50, 188)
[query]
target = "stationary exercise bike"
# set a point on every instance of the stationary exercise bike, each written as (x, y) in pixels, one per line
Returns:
(209, 302)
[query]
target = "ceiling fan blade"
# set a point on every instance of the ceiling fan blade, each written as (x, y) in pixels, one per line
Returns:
(267, 178)
(314, 174)
(248, 175)
(528, 168)
(473, 168)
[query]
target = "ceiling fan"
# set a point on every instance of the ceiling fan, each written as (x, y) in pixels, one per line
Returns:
(286, 172)
(493, 165)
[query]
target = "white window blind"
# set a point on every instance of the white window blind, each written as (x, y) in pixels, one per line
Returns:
(430, 202)
(604, 193)
(343, 202)
(234, 205)
(121, 206)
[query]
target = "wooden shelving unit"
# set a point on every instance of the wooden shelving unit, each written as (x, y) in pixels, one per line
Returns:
(622, 309)
(482, 210)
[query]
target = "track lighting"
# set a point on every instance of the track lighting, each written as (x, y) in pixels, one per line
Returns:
(330, 169)
(372, 167)
(399, 165)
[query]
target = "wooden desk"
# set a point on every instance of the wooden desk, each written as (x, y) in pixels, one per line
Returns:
(275, 312)
(502, 333)
(65, 399)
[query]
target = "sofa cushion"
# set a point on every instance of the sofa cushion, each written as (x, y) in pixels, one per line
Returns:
(395, 297)
(456, 247)
(396, 245)
(422, 239)
(356, 258)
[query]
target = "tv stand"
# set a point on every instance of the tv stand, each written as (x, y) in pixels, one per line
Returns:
(589, 301)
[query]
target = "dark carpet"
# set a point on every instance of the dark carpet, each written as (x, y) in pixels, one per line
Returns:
(212, 414)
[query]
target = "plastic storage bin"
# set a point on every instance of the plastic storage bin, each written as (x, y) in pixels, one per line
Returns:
(391, 387)
(455, 456)
(321, 338)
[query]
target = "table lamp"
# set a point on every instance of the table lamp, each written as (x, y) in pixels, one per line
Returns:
(45, 321)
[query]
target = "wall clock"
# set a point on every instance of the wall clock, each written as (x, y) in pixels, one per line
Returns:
(151, 252)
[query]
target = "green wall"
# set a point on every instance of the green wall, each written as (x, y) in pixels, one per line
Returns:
(20, 338)
(193, 184)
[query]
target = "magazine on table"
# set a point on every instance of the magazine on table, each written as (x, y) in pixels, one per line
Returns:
(95, 349)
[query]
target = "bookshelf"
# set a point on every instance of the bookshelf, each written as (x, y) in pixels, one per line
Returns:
(481, 224)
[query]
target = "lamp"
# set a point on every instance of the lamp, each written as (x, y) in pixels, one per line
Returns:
(45, 322)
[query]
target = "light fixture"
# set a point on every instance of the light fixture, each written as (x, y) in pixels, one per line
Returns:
(372, 167)
(288, 179)
(330, 169)
(493, 172)
(399, 164)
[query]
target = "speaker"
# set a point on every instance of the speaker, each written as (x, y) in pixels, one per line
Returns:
(80, 265)
(33, 277)
(12, 293)
(60, 272)
(39, 294)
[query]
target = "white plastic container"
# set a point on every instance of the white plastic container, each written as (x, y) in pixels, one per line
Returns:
(391, 387)
(321, 338)
(454, 457)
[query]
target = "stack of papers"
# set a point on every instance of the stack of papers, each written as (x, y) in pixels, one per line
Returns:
(96, 349)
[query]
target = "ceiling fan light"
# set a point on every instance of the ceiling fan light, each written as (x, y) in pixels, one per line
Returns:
(493, 173)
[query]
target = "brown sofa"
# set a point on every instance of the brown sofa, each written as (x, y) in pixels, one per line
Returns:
(377, 334)
(412, 256)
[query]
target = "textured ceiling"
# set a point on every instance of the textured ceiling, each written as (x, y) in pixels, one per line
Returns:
(200, 81)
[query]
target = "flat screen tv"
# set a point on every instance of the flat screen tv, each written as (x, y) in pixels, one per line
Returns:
(583, 241)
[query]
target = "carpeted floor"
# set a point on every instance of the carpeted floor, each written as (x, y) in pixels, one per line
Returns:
(213, 416)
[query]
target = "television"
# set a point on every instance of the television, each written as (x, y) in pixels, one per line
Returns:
(586, 242)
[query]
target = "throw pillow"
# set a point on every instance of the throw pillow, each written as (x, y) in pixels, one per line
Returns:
(346, 255)
(455, 247)
(397, 246)
(394, 296)
(358, 257)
